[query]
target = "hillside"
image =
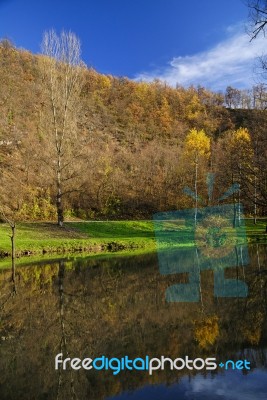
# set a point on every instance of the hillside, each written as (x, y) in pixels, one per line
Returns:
(127, 156)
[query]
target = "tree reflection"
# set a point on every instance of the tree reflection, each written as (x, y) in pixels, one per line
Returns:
(116, 307)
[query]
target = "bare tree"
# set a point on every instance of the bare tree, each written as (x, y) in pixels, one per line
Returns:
(63, 81)
(257, 17)
(232, 97)
(12, 225)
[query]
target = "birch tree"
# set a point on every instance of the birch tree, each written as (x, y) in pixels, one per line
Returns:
(197, 146)
(63, 81)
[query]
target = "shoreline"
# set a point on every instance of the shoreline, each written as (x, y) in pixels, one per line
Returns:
(92, 237)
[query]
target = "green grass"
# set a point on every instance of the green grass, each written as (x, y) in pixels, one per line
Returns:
(98, 236)
(256, 233)
(38, 238)
(115, 229)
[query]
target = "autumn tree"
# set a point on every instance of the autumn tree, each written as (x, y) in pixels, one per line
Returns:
(242, 156)
(63, 81)
(257, 26)
(253, 166)
(197, 146)
(235, 166)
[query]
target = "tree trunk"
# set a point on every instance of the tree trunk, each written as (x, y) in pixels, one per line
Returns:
(12, 237)
(196, 194)
(234, 201)
(60, 217)
(239, 198)
(13, 254)
(255, 200)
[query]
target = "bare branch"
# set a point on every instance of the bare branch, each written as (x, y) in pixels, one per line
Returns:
(257, 17)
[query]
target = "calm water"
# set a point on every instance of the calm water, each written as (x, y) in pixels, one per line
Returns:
(116, 307)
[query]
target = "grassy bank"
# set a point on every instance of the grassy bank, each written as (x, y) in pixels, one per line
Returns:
(48, 238)
(99, 236)
(256, 233)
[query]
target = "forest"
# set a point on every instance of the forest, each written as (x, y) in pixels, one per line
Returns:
(77, 143)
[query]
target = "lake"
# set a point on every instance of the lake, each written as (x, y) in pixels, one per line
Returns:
(115, 307)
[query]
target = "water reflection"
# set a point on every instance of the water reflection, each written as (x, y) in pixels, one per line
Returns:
(233, 386)
(116, 307)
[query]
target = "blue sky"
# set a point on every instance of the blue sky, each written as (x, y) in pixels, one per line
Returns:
(186, 42)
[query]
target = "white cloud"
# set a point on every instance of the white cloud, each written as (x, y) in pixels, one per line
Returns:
(231, 386)
(230, 62)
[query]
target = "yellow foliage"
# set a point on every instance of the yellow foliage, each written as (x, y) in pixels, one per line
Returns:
(253, 335)
(252, 331)
(206, 331)
(104, 82)
(141, 90)
(197, 142)
(242, 135)
(164, 115)
(240, 144)
(194, 108)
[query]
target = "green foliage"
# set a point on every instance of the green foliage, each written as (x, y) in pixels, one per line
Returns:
(37, 209)
(10, 117)
(112, 206)
(80, 213)
(69, 213)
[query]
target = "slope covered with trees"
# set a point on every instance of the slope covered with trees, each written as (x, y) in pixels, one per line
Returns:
(126, 154)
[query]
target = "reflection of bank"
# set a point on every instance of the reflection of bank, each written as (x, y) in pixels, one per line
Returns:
(214, 244)
(114, 306)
